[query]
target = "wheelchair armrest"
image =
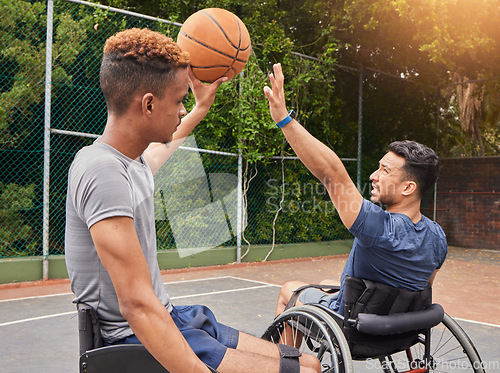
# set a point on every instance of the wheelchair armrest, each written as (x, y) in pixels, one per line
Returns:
(398, 323)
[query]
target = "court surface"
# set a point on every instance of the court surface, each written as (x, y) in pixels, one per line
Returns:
(38, 333)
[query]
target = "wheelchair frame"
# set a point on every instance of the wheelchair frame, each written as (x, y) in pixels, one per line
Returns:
(313, 329)
(317, 329)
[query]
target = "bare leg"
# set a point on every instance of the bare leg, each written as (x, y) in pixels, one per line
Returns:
(286, 293)
(256, 355)
(330, 282)
(287, 290)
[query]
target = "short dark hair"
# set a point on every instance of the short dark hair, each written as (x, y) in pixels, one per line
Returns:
(138, 60)
(421, 163)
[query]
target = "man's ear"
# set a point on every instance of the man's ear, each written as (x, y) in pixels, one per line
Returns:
(410, 187)
(147, 104)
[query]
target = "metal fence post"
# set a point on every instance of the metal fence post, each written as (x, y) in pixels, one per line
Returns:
(360, 127)
(46, 138)
(239, 212)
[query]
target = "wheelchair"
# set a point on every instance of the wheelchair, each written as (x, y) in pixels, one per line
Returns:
(396, 330)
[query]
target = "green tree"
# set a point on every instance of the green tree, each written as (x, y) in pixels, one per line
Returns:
(22, 31)
(440, 44)
(22, 96)
(15, 234)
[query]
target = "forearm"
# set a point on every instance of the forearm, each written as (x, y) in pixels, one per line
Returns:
(158, 153)
(328, 168)
(433, 277)
(316, 156)
(190, 121)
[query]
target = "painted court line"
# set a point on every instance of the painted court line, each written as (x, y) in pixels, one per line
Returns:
(172, 298)
(258, 282)
(36, 318)
(165, 283)
(476, 322)
(200, 279)
(34, 297)
(262, 286)
(221, 292)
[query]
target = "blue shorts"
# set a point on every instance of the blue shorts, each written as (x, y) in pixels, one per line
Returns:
(313, 295)
(208, 338)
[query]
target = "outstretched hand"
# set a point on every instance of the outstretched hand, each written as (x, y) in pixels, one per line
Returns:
(276, 94)
(204, 94)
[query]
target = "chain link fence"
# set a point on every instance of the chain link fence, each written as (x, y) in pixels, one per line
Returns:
(51, 106)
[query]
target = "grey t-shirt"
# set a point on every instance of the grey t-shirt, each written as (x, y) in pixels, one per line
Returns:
(103, 183)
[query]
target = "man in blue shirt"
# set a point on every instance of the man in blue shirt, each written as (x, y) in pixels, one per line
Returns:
(397, 246)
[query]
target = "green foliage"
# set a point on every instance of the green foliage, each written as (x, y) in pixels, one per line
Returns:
(407, 48)
(437, 44)
(306, 213)
(23, 22)
(22, 30)
(14, 200)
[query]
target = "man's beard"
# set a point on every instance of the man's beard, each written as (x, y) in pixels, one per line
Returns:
(383, 200)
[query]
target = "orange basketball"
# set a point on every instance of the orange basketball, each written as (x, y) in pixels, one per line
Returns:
(217, 42)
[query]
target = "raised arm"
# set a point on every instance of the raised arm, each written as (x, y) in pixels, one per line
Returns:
(158, 153)
(120, 252)
(317, 157)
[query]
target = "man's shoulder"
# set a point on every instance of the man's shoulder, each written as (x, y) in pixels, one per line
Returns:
(97, 157)
(369, 207)
(371, 217)
(98, 151)
(370, 210)
(433, 226)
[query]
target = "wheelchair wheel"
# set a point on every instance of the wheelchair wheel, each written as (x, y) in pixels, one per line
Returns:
(451, 350)
(312, 331)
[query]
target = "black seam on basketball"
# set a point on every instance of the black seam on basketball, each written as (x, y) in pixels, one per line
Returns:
(220, 28)
(209, 47)
(239, 45)
(230, 68)
(210, 67)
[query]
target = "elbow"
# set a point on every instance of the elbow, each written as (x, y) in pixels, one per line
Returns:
(325, 174)
(336, 181)
(133, 309)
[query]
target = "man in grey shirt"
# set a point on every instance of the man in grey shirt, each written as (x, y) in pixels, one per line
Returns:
(110, 230)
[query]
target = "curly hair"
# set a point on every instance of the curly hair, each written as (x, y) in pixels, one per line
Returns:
(137, 61)
(421, 163)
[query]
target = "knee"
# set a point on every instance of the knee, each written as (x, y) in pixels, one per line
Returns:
(329, 282)
(287, 289)
(309, 363)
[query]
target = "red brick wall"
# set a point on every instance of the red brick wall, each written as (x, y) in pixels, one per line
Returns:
(468, 202)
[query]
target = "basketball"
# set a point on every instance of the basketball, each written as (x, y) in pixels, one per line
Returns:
(218, 44)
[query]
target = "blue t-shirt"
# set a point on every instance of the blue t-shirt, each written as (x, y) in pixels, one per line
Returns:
(391, 249)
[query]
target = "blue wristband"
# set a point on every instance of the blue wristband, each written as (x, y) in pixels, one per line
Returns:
(288, 119)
